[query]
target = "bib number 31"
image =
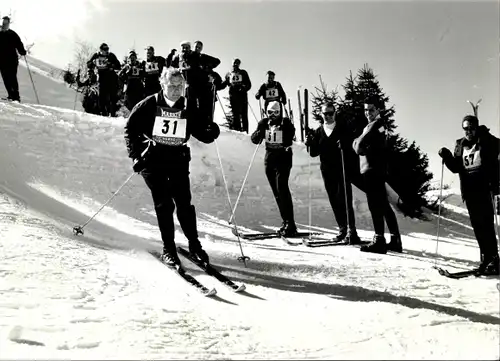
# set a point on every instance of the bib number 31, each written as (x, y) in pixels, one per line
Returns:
(169, 131)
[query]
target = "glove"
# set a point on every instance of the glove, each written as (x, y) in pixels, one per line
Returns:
(214, 130)
(445, 153)
(139, 165)
(309, 139)
(284, 101)
(257, 96)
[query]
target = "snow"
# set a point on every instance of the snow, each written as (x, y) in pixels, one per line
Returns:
(102, 295)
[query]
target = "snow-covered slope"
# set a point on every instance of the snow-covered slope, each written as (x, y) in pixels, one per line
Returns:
(102, 294)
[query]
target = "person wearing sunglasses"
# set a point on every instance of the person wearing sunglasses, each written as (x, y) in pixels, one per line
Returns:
(476, 161)
(271, 90)
(330, 142)
(107, 65)
(371, 146)
(278, 133)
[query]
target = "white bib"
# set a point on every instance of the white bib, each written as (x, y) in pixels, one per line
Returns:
(169, 128)
(271, 93)
(274, 136)
(236, 78)
(152, 68)
(135, 71)
(471, 158)
(101, 63)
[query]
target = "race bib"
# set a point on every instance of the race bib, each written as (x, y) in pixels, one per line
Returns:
(135, 71)
(274, 137)
(236, 78)
(169, 128)
(271, 93)
(152, 68)
(471, 159)
(101, 63)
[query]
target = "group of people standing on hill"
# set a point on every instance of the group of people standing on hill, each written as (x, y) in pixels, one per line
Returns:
(173, 98)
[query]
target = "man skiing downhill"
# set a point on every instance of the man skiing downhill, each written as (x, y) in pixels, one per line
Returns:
(271, 90)
(132, 74)
(476, 161)
(153, 66)
(239, 84)
(331, 143)
(372, 150)
(10, 45)
(163, 121)
(278, 132)
(107, 66)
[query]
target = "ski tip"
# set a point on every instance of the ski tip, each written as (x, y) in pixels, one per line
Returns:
(211, 293)
(241, 288)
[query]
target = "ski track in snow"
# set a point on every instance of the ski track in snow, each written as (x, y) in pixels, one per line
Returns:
(65, 298)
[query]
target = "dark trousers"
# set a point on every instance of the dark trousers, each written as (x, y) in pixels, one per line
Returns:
(108, 97)
(151, 87)
(9, 76)
(201, 96)
(378, 203)
(239, 108)
(278, 169)
(171, 188)
(133, 95)
(334, 185)
(481, 214)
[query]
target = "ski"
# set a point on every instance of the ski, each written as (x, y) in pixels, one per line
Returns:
(457, 275)
(188, 278)
(267, 235)
(326, 243)
(211, 271)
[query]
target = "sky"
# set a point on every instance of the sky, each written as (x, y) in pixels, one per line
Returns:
(430, 57)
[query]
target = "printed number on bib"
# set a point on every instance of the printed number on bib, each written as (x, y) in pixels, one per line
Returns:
(236, 78)
(135, 71)
(271, 93)
(152, 68)
(169, 131)
(101, 63)
(274, 137)
(471, 159)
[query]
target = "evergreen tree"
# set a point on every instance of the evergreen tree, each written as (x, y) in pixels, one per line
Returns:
(228, 112)
(322, 97)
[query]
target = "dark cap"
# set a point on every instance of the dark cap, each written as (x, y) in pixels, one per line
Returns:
(150, 48)
(270, 72)
(103, 45)
(132, 52)
(471, 119)
(6, 18)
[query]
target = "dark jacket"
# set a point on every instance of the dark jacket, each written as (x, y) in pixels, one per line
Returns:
(371, 146)
(9, 43)
(272, 92)
(152, 69)
(238, 82)
(486, 175)
(278, 137)
(142, 120)
(105, 64)
(132, 74)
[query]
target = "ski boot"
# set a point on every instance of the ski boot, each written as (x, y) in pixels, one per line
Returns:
(489, 266)
(282, 228)
(290, 230)
(342, 237)
(171, 259)
(378, 245)
(198, 252)
(352, 238)
(395, 244)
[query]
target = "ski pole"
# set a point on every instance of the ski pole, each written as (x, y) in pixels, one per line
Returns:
(244, 181)
(32, 82)
(439, 214)
(242, 258)
(78, 230)
(345, 188)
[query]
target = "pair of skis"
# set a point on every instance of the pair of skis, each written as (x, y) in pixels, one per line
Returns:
(208, 269)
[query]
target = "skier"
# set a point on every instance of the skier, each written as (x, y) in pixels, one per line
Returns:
(90, 92)
(331, 142)
(239, 84)
(476, 161)
(195, 67)
(132, 74)
(10, 42)
(153, 66)
(271, 90)
(166, 124)
(107, 65)
(278, 133)
(372, 150)
(170, 56)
